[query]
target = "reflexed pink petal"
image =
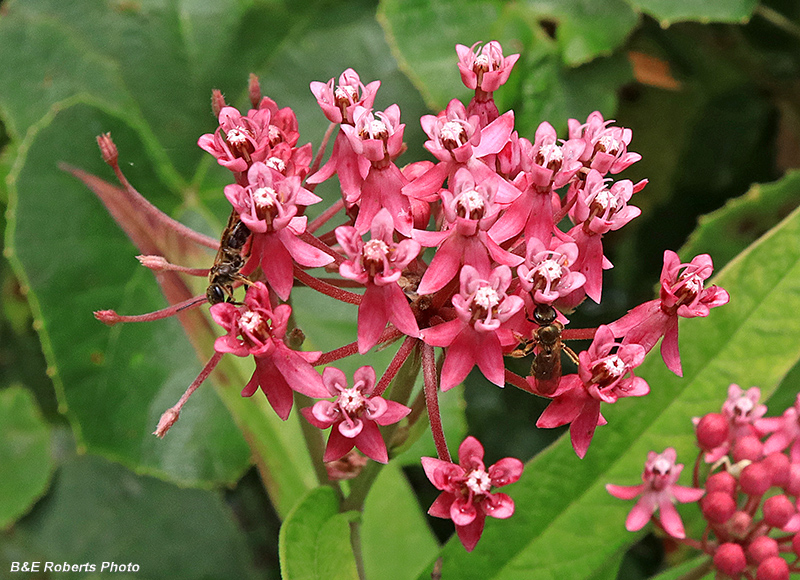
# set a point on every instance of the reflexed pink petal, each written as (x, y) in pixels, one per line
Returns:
(400, 313)
(470, 534)
(459, 360)
(489, 358)
(442, 334)
(625, 491)
(671, 520)
(495, 135)
(582, 429)
(371, 444)
(298, 373)
(439, 472)
(338, 446)
(639, 515)
(440, 508)
(443, 267)
(372, 318)
(275, 387)
(308, 413)
(669, 348)
(686, 494)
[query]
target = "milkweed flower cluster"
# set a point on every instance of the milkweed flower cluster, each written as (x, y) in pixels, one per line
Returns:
(748, 493)
(502, 277)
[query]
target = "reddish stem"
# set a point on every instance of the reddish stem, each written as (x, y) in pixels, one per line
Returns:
(312, 240)
(111, 318)
(337, 354)
(326, 216)
(394, 366)
(432, 402)
(320, 152)
(325, 288)
(578, 333)
(171, 415)
(517, 381)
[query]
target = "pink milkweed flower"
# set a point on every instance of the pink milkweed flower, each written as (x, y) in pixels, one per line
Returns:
(238, 141)
(597, 211)
(603, 376)
(339, 103)
(283, 127)
(658, 492)
(484, 68)
(606, 147)
(682, 294)
(466, 496)
(268, 207)
(469, 210)
(379, 138)
(378, 264)
(256, 328)
(546, 274)
(477, 335)
(354, 415)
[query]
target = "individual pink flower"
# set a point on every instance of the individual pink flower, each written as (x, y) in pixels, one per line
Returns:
(354, 415)
(338, 103)
(469, 211)
(477, 335)
(606, 147)
(268, 207)
(484, 67)
(682, 294)
(258, 329)
(658, 492)
(605, 374)
(597, 211)
(546, 274)
(283, 127)
(239, 141)
(467, 496)
(378, 264)
(379, 138)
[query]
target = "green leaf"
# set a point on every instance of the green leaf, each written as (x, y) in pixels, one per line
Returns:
(565, 524)
(586, 29)
(315, 540)
(731, 228)
(100, 512)
(392, 512)
(669, 11)
(24, 453)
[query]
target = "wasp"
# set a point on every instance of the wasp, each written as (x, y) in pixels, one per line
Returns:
(546, 344)
(228, 262)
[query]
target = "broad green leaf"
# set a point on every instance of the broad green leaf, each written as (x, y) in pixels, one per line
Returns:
(24, 453)
(586, 29)
(392, 512)
(315, 540)
(742, 220)
(124, 518)
(565, 524)
(669, 11)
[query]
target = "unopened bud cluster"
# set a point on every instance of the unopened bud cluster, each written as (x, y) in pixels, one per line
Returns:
(747, 484)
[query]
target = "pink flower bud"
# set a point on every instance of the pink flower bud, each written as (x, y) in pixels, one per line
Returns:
(755, 479)
(217, 102)
(748, 447)
(718, 507)
(108, 317)
(774, 568)
(796, 544)
(793, 485)
(780, 467)
(729, 559)
(778, 510)
(167, 420)
(762, 548)
(722, 481)
(712, 431)
(739, 524)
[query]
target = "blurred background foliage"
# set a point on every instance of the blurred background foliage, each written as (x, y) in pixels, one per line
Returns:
(711, 90)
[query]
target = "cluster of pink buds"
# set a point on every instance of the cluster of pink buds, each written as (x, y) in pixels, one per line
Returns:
(749, 495)
(502, 278)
